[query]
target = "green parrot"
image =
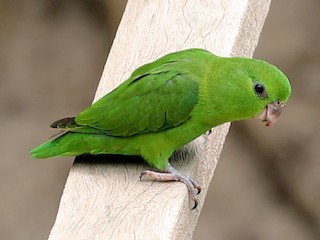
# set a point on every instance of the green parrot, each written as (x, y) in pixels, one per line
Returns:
(168, 103)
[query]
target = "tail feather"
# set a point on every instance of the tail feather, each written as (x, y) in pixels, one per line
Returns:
(75, 144)
(49, 149)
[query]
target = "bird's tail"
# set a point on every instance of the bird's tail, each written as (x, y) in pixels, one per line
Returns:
(75, 144)
(63, 145)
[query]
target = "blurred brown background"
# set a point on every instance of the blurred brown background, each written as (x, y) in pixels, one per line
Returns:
(52, 52)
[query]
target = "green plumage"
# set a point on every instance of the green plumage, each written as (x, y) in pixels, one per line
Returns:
(168, 103)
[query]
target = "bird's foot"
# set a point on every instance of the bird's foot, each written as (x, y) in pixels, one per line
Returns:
(171, 174)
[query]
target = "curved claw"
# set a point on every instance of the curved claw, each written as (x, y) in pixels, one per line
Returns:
(196, 202)
(171, 174)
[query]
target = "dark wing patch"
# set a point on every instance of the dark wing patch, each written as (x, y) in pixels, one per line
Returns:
(69, 125)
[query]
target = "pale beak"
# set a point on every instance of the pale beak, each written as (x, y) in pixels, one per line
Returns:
(272, 112)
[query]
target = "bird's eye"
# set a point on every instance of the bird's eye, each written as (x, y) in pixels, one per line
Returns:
(260, 90)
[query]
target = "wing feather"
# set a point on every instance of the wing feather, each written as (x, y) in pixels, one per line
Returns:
(160, 98)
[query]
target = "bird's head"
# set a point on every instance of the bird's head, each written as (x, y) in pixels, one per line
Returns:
(250, 87)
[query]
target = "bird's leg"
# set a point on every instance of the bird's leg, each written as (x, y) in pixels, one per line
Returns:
(171, 174)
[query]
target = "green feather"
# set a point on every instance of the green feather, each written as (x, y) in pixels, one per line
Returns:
(166, 104)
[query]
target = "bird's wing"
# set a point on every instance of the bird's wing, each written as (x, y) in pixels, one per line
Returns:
(149, 101)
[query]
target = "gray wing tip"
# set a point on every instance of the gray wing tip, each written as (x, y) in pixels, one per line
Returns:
(62, 123)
